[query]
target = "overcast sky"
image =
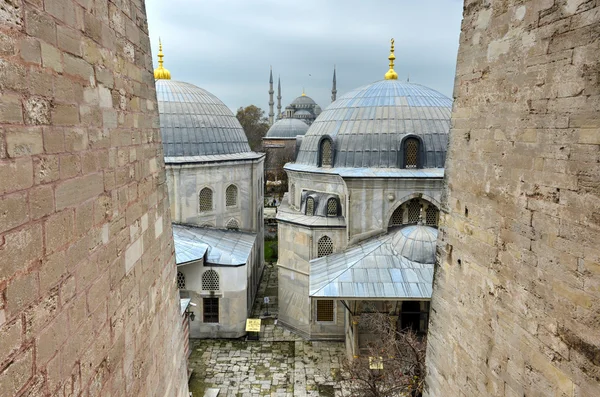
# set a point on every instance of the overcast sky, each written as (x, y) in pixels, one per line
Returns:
(226, 47)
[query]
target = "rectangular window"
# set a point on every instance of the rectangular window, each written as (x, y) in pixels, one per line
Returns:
(325, 310)
(211, 310)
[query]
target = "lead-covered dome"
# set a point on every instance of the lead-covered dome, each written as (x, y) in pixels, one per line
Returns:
(367, 126)
(287, 128)
(303, 101)
(194, 122)
(416, 243)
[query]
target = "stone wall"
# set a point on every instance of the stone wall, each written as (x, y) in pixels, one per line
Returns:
(88, 301)
(515, 305)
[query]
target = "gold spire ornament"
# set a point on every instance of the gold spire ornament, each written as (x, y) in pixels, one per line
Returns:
(303, 94)
(161, 73)
(391, 74)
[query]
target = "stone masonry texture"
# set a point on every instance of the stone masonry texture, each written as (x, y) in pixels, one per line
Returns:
(515, 305)
(88, 301)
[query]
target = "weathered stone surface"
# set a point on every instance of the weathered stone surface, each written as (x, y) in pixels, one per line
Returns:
(68, 198)
(514, 308)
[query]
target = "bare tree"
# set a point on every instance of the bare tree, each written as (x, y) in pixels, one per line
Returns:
(255, 125)
(394, 364)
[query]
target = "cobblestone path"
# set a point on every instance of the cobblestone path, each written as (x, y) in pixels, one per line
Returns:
(280, 364)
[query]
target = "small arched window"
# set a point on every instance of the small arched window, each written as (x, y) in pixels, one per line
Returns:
(397, 217)
(205, 200)
(233, 224)
(180, 280)
(231, 196)
(432, 216)
(414, 210)
(411, 153)
(332, 207)
(324, 246)
(210, 280)
(326, 153)
(310, 206)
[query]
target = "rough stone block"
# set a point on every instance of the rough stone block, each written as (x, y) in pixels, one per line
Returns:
(41, 201)
(46, 169)
(65, 115)
(17, 175)
(21, 291)
(13, 211)
(11, 13)
(37, 111)
(30, 50)
(18, 372)
(51, 57)
(11, 110)
(78, 190)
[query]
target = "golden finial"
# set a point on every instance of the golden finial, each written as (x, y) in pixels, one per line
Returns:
(161, 73)
(303, 94)
(391, 74)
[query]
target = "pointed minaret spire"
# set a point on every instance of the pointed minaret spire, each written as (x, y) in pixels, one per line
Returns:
(333, 88)
(278, 98)
(271, 92)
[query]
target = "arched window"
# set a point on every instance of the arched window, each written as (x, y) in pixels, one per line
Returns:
(411, 153)
(233, 224)
(310, 206)
(414, 210)
(210, 281)
(180, 280)
(332, 207)
(432, 216)
(397, 217)
(231, 196)
(205, 200)
(326, 153)
(324, 247)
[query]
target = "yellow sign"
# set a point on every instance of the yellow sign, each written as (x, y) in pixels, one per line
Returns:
(253, 325)
(375, 363)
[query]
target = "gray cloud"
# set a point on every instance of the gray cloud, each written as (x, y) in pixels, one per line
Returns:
(226, 47)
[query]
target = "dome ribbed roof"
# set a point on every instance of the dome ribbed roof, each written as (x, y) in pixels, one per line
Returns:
(194, 122)
(416, 243)
(303, 100)
(368, 124)
(287, 128)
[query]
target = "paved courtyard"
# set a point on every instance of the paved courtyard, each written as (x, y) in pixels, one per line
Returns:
(280, 364)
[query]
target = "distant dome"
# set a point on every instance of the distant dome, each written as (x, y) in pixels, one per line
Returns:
(368, 123)
(416, 243)
(303, 112)
(303, 101)
(194, 122)
(287, 128)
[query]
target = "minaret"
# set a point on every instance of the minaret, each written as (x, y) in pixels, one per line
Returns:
(271, 92)
(333, 88)
(160, 73)
(391, 74)
(278, 98)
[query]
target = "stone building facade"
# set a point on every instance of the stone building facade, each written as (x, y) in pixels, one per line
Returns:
(515, 304)
(88, 300)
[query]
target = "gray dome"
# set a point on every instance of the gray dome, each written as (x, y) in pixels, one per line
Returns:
(194, 122)
(367, 126)
(303, 113)
(416, 243)
(287, 128)
(303, 101)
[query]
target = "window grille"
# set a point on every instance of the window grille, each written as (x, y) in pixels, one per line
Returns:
(310, 206)
(324, 247)
(233, 224)
(180, 280)
(205, 199)
(210, 308)
(292, 194)
(325, 310)
(411, 153)
(210, 281)
(332, 207)
(231, 196)
(326, 153)
(432, 216)
(397, 217)
(414, 210)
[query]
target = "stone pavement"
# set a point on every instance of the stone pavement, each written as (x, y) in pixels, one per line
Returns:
(280, 364)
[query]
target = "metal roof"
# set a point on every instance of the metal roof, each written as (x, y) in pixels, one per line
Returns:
(368, 124)
(223, 247)
(194, 122)
(302, 101)
(214, 158)
(289, 215)
(348, 172)
(374, 269)
(287, 128)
